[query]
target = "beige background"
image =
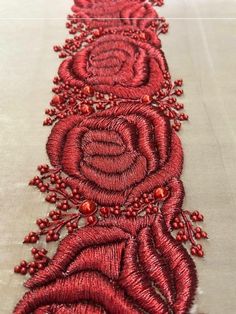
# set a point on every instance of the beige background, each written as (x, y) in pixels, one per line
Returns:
(200, 48)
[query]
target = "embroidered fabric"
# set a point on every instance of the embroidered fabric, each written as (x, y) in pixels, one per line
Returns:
(114, 173)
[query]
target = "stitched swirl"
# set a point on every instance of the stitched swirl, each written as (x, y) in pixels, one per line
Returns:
(118, 64)
(116, 155)
(118, 13)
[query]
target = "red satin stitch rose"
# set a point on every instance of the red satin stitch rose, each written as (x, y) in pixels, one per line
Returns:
(118, 13)
(113, 156)
(120, 266)
(118, 64)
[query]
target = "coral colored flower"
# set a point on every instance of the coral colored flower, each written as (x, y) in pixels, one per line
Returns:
(113, 156)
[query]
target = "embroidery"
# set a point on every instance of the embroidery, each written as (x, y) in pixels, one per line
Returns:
(115, 156)
(114, 173)
(117, 64)
(120, 265)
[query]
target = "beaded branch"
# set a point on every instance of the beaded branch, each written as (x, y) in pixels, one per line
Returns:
(113, 178)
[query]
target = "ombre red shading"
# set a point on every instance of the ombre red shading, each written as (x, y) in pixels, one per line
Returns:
(119, 266)
(116, 155)
(118, 13)
(117, 64)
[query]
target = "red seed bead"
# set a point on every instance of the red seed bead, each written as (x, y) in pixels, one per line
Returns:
(40, 266)
(200, 217)
(87, 208)
(27, 239)
(198, 235)
(194, 218)
(23, 263)
(193, 251)
(155, 209)
(104, 210)
(44, 251)
(34, 250)
(48, 238)
(91, 220)
(204, 234)
(177, 219)
(55, 237)
(37, 256)
(146, 99)
(86, 109)
(56, 100)
(161, 193)
(199, 247)
(31, 270)
(185, 237)
(200, 253)
(87, 90)
(70, 229)
(23, 270)
(198, 229)
(178, 237)
(175, 225)
(17, 269)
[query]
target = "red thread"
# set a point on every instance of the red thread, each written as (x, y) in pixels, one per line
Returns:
(118, 64)
(118, 13)
(123, 161)
(114, 156)
(144, 256)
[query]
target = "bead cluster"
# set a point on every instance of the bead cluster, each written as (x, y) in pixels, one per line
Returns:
(71, 210)
(40, 261)
(72, 100)
(54, 186)
(187, 230)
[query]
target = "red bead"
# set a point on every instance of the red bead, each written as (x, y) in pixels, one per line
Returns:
(146, 99)
(175, 225)
(200, 217)
(23, 270)
(23, 264)
(56, 100)
(91, 220)
(200, 253)
(86, 109)
(161, 193)
(178, 238)
(17, 269)
(185, 237)
(88, 90)
(204, 234)
(31, 271)
(40, 266)
(104, 210)
(55, 237)
(87, 208)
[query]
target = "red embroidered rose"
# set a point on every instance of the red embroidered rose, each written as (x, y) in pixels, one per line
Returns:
(120, 266)
(118, 13)
(118, 64)
(113, 156)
